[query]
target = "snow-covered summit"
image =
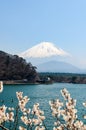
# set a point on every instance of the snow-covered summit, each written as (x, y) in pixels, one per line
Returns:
(44, 49)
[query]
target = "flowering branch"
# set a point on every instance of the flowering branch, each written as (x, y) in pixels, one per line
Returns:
(65, 114)
(3, 128)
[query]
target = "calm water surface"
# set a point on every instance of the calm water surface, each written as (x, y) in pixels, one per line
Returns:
(42, 94)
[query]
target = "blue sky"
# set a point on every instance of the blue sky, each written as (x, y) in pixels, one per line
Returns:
(25, 23)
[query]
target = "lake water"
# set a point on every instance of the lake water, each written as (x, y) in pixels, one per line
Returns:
(43, 94)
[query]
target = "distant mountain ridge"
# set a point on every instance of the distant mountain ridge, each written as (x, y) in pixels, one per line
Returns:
(57, 66)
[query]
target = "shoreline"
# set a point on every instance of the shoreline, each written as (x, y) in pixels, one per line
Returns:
(19, 83)
(50, 78)
(37, 83)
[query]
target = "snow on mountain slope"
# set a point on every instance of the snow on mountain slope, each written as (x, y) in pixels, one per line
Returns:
(44, 49)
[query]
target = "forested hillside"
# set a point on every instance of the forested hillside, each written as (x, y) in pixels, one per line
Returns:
(13, 67)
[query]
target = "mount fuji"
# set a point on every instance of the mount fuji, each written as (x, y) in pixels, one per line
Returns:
(49, 58)
(42, 50)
